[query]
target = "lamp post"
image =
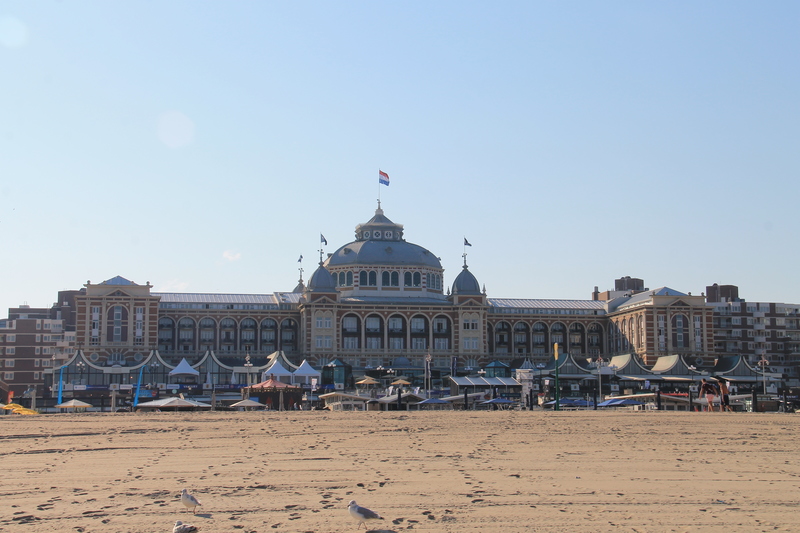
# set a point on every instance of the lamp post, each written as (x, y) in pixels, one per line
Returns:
(428, 360)
(763, 364)
(598, 364)
(81, 366)
(248, 365)
(557, 406)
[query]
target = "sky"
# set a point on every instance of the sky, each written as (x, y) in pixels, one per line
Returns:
(204, 146)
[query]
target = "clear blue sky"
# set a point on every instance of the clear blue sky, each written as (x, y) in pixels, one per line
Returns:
(204, 146)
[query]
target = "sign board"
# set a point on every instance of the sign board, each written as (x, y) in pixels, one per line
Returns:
(79, 387)
(614, 388)
(113, 386)
(574, 387)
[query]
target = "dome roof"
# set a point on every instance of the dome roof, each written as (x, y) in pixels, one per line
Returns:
(383, 253)
(466, 283)
(321, 281)
(380, 242)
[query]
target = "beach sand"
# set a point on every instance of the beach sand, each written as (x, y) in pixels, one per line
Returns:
(452, 471)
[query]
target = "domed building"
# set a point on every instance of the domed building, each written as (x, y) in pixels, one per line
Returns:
(380, 263)
(376, 302)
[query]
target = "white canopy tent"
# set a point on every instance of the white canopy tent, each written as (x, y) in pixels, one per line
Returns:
(184, 369)
(305, 373)
(278, 371)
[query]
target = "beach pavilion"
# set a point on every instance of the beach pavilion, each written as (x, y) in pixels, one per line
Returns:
(275, 394)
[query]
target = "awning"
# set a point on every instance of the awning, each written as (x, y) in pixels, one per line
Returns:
(468, 381)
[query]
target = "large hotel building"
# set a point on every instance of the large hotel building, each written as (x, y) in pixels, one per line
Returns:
(382, 302)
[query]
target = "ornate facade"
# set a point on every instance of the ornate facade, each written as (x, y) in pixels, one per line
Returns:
(381, 301)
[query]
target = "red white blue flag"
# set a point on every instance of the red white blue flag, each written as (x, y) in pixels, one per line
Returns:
(383, 177)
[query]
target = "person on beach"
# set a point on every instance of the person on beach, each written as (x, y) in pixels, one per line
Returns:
(724, 396)
(708, 390)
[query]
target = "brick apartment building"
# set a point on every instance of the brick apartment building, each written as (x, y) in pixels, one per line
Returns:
(33, 340)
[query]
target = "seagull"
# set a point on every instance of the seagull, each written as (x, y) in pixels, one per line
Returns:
(189, 501)
(362, 514)
(180, 527)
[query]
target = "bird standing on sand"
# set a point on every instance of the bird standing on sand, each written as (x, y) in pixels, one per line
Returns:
(189, 501)
(362, 514)
(180, 527)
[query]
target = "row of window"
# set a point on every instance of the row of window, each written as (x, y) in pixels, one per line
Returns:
(225, 323)
(325, 342)
(388, 279)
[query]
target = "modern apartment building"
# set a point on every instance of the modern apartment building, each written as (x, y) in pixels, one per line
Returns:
(33, 340)
(765, 333)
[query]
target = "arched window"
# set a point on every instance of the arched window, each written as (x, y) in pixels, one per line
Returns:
(385, 279)
(395, 279)
(269, 330)
(417, 279)
(407, 279)
(362, 278)
(351, 331)
(289, 335)
(373, 278)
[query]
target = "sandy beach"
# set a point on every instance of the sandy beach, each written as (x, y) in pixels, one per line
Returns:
(510, 471)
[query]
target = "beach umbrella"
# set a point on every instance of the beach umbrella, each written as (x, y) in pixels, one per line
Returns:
(73, 404)
(248, 403)
(12, 406)
(498, 401)
(401, 382)
(367, 381)
(25, 411)
(432, 401)
(172, 402)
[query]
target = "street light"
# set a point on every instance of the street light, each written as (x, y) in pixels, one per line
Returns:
(248, 365)
(428, 377)
(81, 366)
(598, 364)
(763, 364)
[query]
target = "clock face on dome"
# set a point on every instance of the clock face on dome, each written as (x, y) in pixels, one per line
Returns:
(376, 234)
(387, 234)
(366, 235)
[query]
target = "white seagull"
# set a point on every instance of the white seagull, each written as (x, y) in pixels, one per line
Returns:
(189, 501)
(180, 527)
(362, 514)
